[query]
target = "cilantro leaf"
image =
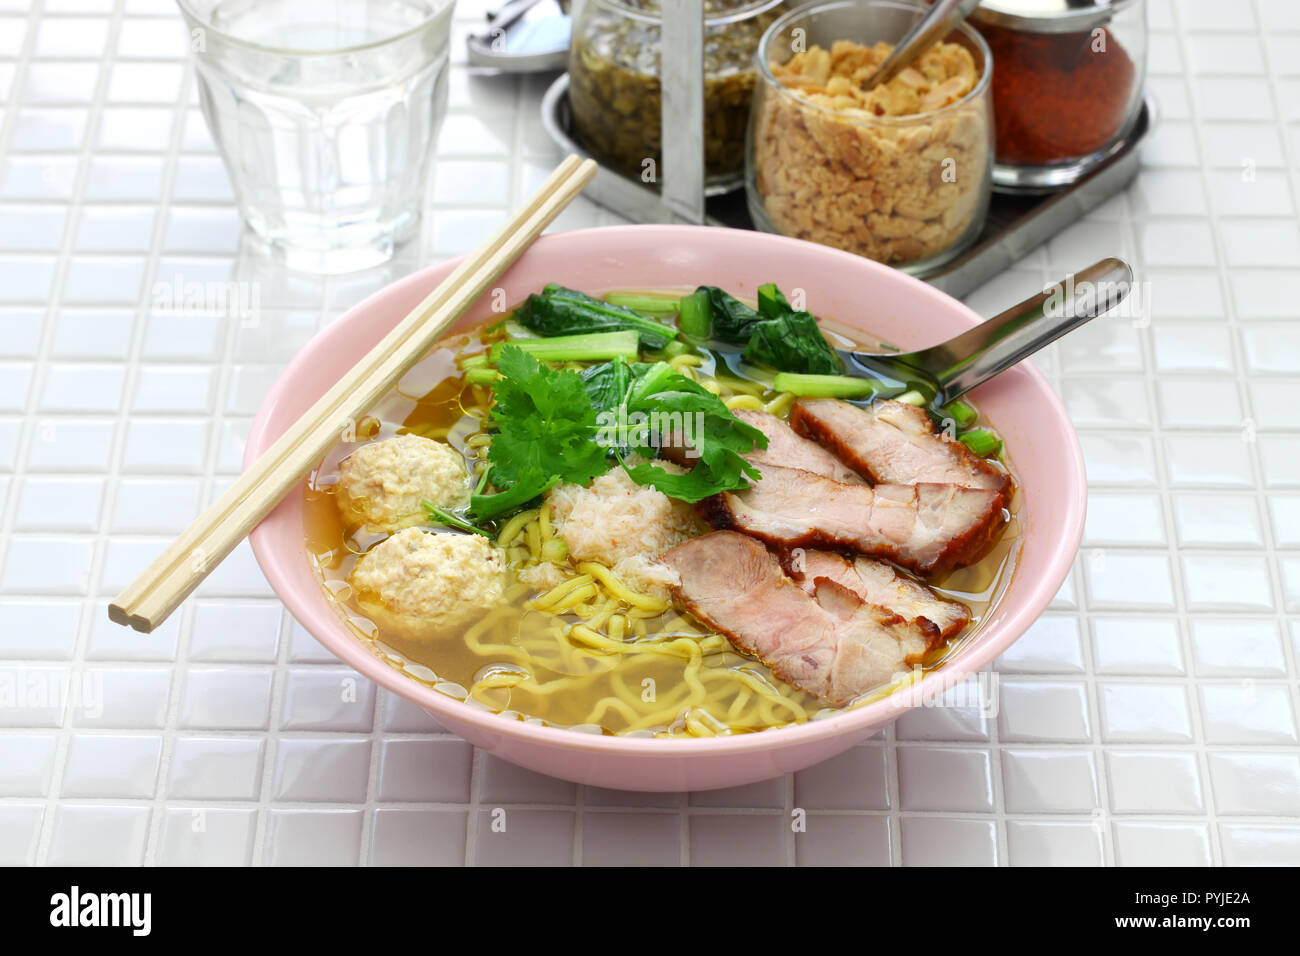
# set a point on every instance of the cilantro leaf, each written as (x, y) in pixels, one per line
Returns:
(545, 422)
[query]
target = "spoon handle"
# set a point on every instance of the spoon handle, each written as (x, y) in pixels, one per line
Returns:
(993, 346)
(935, 25)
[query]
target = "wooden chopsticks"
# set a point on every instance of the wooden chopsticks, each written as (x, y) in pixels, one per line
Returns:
(148, 601)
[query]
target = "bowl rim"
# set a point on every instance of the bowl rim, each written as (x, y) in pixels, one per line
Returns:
(317, 617)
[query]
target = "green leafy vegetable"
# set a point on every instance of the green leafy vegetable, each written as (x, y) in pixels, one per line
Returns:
(779, 336)
(449, 520)
(561, 311)
(824, 386)
(982, 442)
(693, 315)
(588, 347)
(644, 301)
(546, 422)
(715, 438)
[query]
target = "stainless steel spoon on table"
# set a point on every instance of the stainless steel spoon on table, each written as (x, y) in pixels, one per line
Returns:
(937, 23)
(954, 367)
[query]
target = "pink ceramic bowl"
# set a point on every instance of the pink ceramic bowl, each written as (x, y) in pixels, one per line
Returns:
(855, 291)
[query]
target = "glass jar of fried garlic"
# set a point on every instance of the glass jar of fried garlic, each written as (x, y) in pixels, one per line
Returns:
(615, 93)
(900, 173)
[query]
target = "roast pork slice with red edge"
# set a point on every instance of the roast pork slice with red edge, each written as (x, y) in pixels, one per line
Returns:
(784, 447)
(895, 443)
(927, 528)
(878, 582)
(831, 643)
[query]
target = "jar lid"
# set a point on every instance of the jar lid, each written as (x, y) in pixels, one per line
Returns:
(1048, 16)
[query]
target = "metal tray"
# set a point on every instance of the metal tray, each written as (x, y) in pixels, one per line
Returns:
(1016, 223)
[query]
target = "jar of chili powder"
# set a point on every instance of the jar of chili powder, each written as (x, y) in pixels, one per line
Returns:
(1067, 85)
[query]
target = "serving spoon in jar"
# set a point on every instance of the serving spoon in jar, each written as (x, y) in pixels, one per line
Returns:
(944, 372)
(937, 23)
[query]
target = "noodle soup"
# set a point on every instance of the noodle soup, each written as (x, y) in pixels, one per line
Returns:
(571, 640)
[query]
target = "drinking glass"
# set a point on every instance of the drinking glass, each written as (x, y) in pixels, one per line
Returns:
(326, 113)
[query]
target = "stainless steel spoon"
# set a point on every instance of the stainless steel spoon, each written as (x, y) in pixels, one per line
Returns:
(935, 25)
(954, 367)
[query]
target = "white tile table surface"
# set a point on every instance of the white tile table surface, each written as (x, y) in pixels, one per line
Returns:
(1148, 717)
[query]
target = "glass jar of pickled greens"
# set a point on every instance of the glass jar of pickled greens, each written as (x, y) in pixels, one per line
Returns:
(614, 82)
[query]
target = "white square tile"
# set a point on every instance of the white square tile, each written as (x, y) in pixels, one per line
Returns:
(20, 830)
(1217, 519)
(28, 760)
(202, 836)
(1184, 295)
(1237, 647)
(1249, 192)
(47, 565)
(409, 837)
(1118, 580)
(942, 778)
(1168, 192)
(98, 766)
(33, 228)
(1246, 782)
(1137, 645)
(226, 698)
(112, 642)
(93, 334)
(1183, 243)
(152, 38)
(31, 630)
(1124, 519)
(437, 770)
(1247, 712)
(1054, 843)
(115, 229)
(80, 37)
(215, 768)
(1188, 347)
(135, 128)
(335, 770)
(180, 389)
(1241, 147)
(1199, 403)
(1272, 349)
(165, 447)
(1227, 581)
(83, 388)
(1260, 243)
(1142, 843)
(1209, 460)
(1042, 711)
(202, 229)
(92, 835)
(313, 838)
(317, 698)
(1233, 97)
(948, 841)
(1150, 782)
(146, 505)
(144, 82)
(857, 779)
(1049, 781)
(1280, 461)
(1109, 402)
(1119, 459)
(48, 503)
(125, 698)
(1137, 712)
(1250, 844)
(1050, 646)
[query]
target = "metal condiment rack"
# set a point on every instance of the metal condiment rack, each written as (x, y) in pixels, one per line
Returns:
(1016, 223)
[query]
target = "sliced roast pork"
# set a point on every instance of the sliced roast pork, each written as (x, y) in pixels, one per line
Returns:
(895, 443)
(928, 528)
(832, 644)
(788, 449)
(784, 447)
(878, 582)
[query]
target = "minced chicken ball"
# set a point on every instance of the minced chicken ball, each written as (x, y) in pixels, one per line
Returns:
(383, 486)
(423, 583)
(624, 526)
